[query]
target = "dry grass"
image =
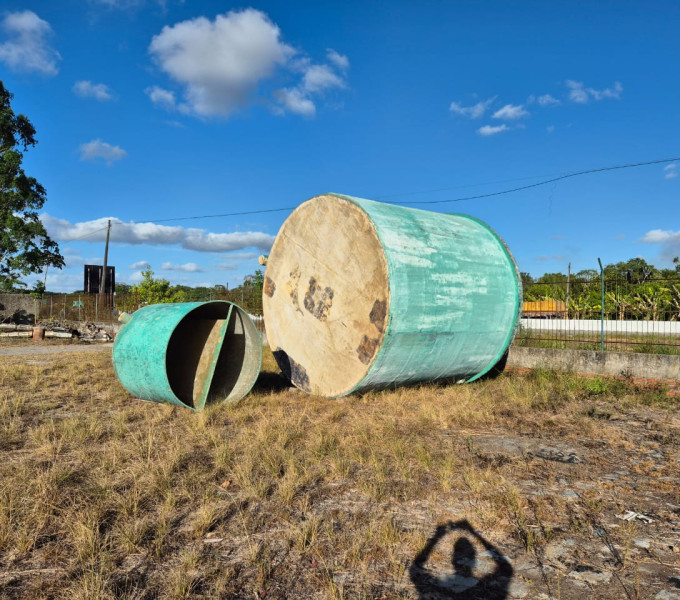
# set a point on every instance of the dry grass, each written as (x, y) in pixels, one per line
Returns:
(288, 495)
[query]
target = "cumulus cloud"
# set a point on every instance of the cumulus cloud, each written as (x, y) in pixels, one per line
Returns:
(579, 94)
(295, 100)
(339, 60)
(473, 112)
(27, 47)
(668, 239)
(316, 80)
(510, 112)
(87, 89)
(155, 235)
(190, 267)
(98, 150)
(488, 130)
(220, 62)
(671, 171)
(141, 264)
(547, 100)
(226, 266)
(161, 97)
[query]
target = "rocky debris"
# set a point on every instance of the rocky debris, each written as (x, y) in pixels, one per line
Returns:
(86, 332)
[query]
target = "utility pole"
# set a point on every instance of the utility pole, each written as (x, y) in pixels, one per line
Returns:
(102, 281)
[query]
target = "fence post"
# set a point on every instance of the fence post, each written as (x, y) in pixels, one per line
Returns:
(602, 305)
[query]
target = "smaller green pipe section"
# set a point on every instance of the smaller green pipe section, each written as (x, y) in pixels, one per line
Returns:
(158, 347)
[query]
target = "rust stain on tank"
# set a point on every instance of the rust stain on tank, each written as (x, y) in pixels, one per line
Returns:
(269, 286)
(377, 315)
(366, 349)
(318, 300)
(292, 287)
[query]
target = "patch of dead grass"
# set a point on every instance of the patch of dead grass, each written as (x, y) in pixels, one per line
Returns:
(284, 494)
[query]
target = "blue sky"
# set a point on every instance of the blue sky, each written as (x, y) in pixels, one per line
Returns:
(149, 110)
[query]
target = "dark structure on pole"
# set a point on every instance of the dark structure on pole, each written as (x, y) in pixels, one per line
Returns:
(93, 283)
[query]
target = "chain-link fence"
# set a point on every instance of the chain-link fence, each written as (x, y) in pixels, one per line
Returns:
(619, 315)
(104, 309)
(634, 317)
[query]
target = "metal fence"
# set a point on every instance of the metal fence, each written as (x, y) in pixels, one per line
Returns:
(618, 315)
(634, 317)
(104, 309)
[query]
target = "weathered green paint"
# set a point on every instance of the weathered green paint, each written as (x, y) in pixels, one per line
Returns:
(455, 296)
(155, 352)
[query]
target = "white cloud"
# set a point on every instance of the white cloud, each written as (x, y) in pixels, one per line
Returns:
(656, 236)
(294, 100)
(27, 48)
(226, 266)
(318, 78)
(671, 171)
(581, 95)
(96, 150)
(141, 264)
(612, 92)
(473, 112)
(161, 97)
(669, 240)
(155, 235)
(87, 89)
(576, 92)
(510, 112)
(242, 256)
(220, 63)
(339, 60)
(487, 130)
(547, 100)
(190, 267)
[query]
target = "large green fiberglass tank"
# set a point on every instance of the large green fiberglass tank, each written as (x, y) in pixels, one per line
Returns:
(361, 294)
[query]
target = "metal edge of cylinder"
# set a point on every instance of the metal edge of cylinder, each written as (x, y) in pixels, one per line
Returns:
(258, 345)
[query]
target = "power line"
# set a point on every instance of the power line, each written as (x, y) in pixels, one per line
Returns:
(461, 199)
(546, 182)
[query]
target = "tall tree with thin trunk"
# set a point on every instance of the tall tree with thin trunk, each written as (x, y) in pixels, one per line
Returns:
(25, 247)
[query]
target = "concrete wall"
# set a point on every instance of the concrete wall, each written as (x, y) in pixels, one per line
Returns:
(659, 367)
(610, 326)
(13, 303)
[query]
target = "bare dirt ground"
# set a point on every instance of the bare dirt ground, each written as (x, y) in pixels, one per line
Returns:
(22, 348)
(537, 486)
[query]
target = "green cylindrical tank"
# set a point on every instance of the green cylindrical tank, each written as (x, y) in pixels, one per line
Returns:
(361, 294)
(188, 353)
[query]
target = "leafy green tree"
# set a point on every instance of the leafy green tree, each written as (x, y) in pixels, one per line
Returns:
(156, 291)
(25, 247)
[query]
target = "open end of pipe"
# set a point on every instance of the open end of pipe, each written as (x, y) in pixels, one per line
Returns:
(213, 354)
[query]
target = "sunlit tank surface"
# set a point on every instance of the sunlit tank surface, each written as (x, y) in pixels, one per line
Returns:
(361, 295)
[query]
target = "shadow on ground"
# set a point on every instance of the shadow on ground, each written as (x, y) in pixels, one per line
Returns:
(464, 583)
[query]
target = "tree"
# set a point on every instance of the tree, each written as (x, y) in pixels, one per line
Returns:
(156, 291)
(25, 247)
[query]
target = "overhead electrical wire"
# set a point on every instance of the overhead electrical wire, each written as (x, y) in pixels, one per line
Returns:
(449, 200)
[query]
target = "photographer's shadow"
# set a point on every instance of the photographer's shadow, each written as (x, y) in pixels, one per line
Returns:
(463, 584)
